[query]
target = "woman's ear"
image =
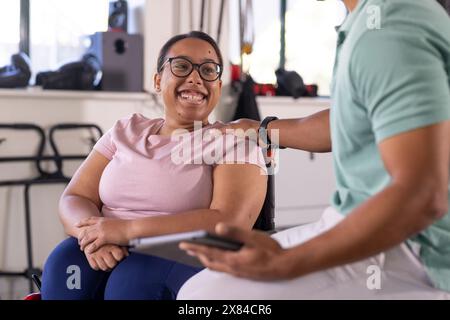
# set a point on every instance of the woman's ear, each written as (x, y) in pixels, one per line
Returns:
(157, 82)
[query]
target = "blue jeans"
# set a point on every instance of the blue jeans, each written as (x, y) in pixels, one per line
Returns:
(137, 277)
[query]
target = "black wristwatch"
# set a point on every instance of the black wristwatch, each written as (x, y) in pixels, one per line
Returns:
(263, 135)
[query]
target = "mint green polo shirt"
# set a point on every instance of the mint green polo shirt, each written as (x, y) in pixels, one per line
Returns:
(392, 75)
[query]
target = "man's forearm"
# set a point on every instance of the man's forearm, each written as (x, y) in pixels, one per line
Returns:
(382, 222)
(310, 134)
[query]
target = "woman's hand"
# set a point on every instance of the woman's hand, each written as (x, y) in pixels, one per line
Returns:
(98, 231)
(261, 257)
(106, 257)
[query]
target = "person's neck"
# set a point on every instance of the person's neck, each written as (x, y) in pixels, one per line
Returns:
(351, 4)
(171, 125)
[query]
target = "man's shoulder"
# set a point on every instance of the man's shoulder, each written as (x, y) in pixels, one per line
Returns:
(397, 26)
(422, 16)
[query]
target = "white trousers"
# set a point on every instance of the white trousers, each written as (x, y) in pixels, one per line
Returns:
(394, 274)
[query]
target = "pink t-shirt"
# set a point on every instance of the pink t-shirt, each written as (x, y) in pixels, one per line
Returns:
(150, 174)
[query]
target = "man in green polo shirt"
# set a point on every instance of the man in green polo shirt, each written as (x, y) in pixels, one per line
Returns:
(389, 131)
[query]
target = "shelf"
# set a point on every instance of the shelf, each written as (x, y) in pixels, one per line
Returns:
(321, 102)
(37, 93)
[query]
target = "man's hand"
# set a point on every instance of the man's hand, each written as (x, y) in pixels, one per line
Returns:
(98, 231)
(261, 257)
(106, 257)
(311, 133)
(241, 128)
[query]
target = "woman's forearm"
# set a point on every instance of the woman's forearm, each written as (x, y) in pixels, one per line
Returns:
(382, 222)
(73, 209)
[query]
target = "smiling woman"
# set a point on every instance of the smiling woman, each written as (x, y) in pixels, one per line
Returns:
(129, 186)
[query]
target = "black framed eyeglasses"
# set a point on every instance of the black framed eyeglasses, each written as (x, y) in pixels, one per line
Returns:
(182, 67)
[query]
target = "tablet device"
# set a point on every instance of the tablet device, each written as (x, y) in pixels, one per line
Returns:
(166, 246)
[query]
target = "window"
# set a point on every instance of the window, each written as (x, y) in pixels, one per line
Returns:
(310, 39)
(265, 57)
(59, 30)
(9, 30)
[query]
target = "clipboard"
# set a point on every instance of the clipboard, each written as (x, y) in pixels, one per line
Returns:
(166, 246)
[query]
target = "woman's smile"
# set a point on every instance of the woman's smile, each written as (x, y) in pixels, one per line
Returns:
(192, 97)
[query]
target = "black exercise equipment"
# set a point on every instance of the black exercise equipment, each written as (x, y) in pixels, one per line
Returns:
(44, 177)
(290, 83)
(17, 74)
(79, 75)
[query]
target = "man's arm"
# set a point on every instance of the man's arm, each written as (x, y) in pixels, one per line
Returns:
(311, 133)
(418, 162)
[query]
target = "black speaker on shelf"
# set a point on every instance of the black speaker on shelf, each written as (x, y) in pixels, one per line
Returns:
(121, 59)
(118, 16)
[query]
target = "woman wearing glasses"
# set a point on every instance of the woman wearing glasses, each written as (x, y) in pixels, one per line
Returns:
(132, 186)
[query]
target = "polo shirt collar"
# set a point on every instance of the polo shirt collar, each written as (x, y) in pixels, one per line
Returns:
(344, 29)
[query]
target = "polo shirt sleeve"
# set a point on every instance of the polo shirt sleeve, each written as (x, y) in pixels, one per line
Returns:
(402, 81)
